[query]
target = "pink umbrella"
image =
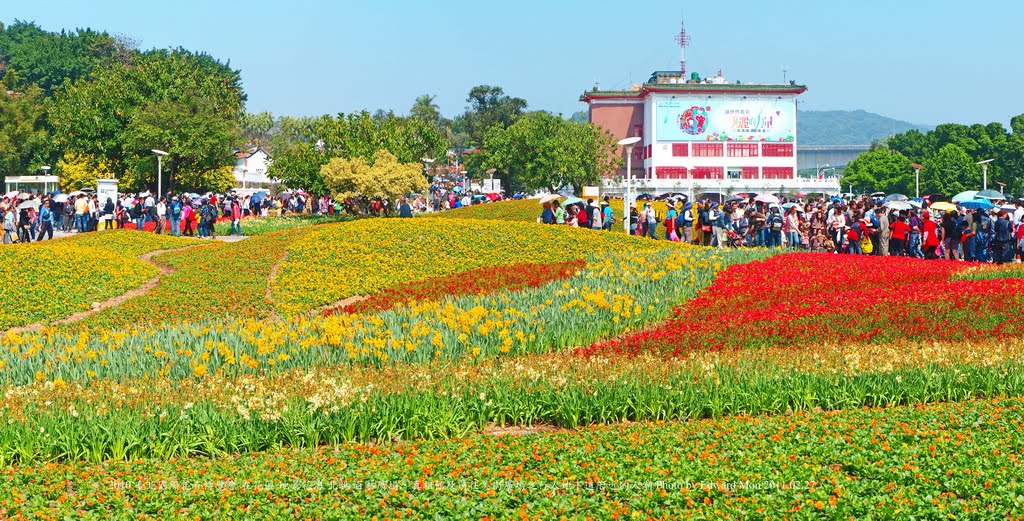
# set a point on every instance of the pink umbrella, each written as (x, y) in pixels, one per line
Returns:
(767, 198)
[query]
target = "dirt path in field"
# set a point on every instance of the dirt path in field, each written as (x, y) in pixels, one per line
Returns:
(338, 304)
(268, 294)
(146, 287)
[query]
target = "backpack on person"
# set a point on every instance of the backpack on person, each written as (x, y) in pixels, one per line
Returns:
(775, 223)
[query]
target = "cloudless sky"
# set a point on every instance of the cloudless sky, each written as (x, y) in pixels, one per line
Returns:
(926, 62)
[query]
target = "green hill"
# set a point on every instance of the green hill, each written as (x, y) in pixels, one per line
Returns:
(847, 127)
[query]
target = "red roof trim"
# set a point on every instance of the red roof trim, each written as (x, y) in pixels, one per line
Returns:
(696, 89)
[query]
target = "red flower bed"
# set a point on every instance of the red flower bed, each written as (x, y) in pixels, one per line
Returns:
(808, 298)
(480, 281)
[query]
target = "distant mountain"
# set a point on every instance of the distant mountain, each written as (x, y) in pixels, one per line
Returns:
(847, 127)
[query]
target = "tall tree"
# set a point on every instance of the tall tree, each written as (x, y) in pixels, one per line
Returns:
(47, 59)
(23, 141)
(544, 151)
(257, 129)
(188, 104)
(488, 107)
(426, 110)
(950, 171)
(880, 169)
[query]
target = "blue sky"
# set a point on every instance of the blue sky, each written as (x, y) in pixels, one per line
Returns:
(926, 62)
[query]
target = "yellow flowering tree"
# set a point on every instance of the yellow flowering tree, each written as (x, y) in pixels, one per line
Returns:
(385, 177)
(79, 171)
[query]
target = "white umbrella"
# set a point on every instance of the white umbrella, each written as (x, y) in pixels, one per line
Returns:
(23, 196)
(76, 193)
(550, 197)
(12, 194)
(144, 194)
(33, 204)
(767, 198)
(898, 205)
(60, 198)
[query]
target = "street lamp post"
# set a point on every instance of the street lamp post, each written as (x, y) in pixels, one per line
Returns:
(917, 179)
(430, 181)
(628, 143)
(490, 172)
(984, 173)
(159, 172)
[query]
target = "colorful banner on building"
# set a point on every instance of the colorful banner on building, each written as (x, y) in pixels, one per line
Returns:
(725, 120)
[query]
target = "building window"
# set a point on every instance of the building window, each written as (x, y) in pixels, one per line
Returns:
(671, 172)
(707, 172)
(707, 150)
(734, 173)
(777, 172)
(680, 149)
(743, 149)
(777, 150)
(750, 172)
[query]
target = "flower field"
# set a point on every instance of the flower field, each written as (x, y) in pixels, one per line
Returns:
(922, 461)
(808, 298)
(45, 281)
(479, 281)
(416, 368)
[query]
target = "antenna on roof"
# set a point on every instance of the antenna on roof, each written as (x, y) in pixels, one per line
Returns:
(683, 40)
(784, 71)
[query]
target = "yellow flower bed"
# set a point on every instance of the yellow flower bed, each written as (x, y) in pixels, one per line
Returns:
(45, 281)
(363, 257)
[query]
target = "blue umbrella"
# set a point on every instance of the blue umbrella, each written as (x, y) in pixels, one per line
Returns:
(457, 189)
(257, 197)
(978, 204)
(964, 196)
(572, 200)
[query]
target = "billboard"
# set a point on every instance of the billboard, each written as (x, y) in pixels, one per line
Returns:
(702, 119)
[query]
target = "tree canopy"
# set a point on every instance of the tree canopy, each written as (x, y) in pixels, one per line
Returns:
(544, 151)
(385, 176)
(949, 154)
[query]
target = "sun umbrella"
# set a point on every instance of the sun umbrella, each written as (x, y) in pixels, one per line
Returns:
(144, 194)
(732, 198)
(800, 194)
(943, 207)
(965, 196)
(896, 197)
(76, 193)
(33, 204)
(548, 198)
(572, 200)
(285, 196)
(915, 203)
(767, 198)
(456, 188)
(257, 197)
(60, 198)
(898, 205)
(1008, 207)
(990, 194)
(12, 194)
(978, 204)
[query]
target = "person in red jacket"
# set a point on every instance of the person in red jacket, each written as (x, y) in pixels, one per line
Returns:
(900, 232)
(930, 237)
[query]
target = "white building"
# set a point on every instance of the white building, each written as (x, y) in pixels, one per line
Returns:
(706, 135)
(251, 168)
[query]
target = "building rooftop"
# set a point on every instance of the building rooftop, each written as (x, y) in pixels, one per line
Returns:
(674, 81)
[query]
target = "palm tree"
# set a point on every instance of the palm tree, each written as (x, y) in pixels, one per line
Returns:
(425, 109)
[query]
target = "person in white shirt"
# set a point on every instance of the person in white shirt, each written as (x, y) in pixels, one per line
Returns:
(161, 215)
(467, 200)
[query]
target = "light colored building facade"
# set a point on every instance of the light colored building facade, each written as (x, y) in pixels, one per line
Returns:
(706, 136)
(251, 168)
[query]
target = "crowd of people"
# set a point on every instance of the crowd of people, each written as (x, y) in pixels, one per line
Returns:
(858, 225)
(31, 217)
